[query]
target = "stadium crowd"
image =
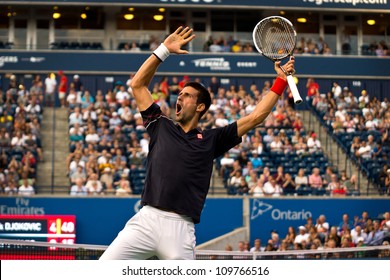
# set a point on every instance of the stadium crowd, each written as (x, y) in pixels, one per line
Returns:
(107, 140)
(361, 124)
(20, 140)
(108, 144)
(305, 46)
(321, 235)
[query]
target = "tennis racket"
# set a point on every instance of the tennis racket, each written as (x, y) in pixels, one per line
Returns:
(275, 38)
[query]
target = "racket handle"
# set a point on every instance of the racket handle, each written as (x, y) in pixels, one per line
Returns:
(294, 90)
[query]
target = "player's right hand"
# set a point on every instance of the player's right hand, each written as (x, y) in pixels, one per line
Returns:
(282, 71)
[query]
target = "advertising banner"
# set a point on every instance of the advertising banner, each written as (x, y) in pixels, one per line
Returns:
(268, 215)
(252, 65)
(99, 220)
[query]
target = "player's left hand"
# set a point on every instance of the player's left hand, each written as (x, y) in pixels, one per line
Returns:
(179, 38)
(282, 71)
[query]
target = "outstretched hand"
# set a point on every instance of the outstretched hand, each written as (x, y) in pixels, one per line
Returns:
(179, 38)
(286, 69)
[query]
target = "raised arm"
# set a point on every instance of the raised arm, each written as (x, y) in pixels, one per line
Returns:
(265, 106)
(143, 77)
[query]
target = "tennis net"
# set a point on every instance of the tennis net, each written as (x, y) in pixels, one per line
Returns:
(28, 250)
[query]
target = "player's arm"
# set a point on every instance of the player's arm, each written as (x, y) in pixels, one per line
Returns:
(262, 110)
(145, 74)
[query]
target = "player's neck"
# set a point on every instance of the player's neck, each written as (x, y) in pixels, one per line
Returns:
(193, 124)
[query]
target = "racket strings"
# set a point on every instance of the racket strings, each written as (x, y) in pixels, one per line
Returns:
(276, 39)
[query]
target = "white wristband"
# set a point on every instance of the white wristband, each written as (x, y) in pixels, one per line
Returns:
(161, 52)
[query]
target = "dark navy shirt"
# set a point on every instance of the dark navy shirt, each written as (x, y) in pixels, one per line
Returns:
(180, 164)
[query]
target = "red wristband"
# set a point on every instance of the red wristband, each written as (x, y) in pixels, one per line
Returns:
(279, 86)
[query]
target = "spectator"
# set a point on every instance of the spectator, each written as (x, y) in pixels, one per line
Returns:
(107, 180)
(312, 87)
(349, 124)
(337, 125)
(364, 152)
(274, 241)
(302, 236)
(87, 100)
(26, 189)
(301, 147)
(358, 235)
(269, 137)
(345, 224)
(256, 161)
(289, 184)
(328, 175)
(256, 145)
(322, 227)
(257, 189)
(241, 247)
(123, 186)
(363, 99)
(351, 184)
(76, 117)
(29, 163)
(11, 189)
(280, 176)
(235, 180)
(50, 87)
(315, 179)
(313, 144)
(256, 246)
(114, 121)
(313, 234)
(220, 119)
(122, 96)
(375, 237)
(93, 185)
(271, 188)
(77, 84)
(339, 190)
(266, 175)
(247, 169)
(276, 145)
(290, 236)
(334, 236)
(134, 47)
(73, 100)
(288, 147)
(215, 47)
(78, 188)
(251, 178)
(243, 187)
(332, 184)
(62, 88)
(78, 174)
(336, 90)
(226, 164)
(301, 179)
(385, 221)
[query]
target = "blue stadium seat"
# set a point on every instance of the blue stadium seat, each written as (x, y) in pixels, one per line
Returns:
(304, 191)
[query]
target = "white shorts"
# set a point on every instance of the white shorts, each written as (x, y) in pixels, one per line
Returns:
(154, 232)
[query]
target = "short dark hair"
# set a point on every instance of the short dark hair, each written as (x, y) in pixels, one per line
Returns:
(203, 95)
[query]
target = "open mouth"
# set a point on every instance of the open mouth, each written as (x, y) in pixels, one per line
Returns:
(178, 108)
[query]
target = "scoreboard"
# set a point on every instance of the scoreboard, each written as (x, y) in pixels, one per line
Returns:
(45, 228)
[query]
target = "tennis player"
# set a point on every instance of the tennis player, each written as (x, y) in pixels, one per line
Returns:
(180, 161)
